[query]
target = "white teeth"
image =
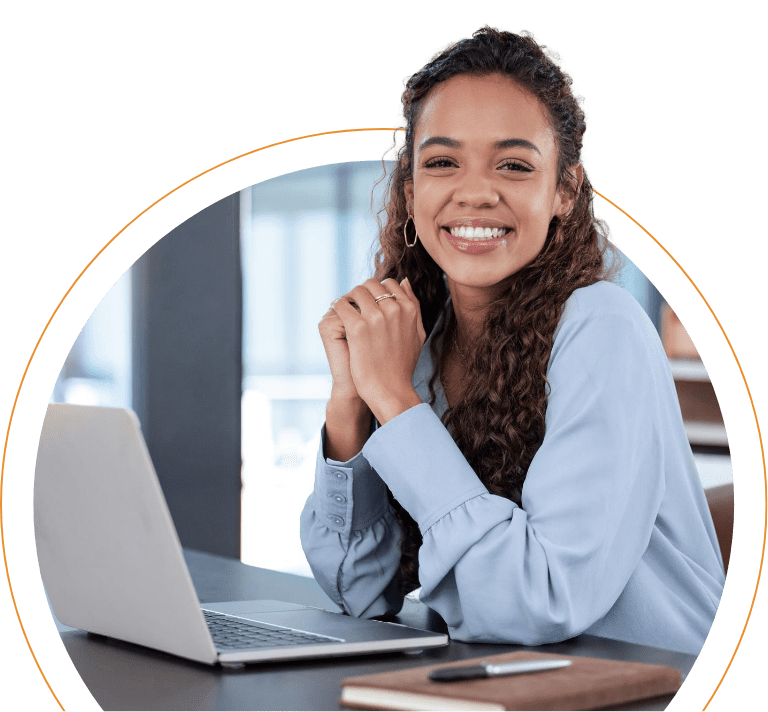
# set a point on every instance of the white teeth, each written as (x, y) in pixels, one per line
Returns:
(478, 233)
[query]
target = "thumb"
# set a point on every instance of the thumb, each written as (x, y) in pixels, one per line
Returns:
(406, 285)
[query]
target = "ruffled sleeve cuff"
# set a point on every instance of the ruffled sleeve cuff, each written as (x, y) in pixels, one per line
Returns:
(417, 458)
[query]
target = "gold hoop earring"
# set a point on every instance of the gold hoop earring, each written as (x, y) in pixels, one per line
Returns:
(405, 233)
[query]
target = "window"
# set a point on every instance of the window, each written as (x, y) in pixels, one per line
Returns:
(306, 238)
(98, 369)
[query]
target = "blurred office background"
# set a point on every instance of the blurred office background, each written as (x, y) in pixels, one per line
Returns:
(212, 338)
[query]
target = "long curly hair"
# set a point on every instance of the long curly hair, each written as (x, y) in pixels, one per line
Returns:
(499, 423)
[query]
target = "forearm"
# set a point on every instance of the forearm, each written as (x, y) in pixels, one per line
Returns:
(351, 539)
(359, 573)
(347, 428)
(493, 571)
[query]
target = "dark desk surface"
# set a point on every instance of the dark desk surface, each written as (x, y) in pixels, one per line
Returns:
(123, 676)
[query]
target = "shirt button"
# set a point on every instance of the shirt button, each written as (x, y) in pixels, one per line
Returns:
(340, 498)
(338, 521)
(341, 475)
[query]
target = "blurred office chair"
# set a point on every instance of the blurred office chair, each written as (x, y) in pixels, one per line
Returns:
(720, 500)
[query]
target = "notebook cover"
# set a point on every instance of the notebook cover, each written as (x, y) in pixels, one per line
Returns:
(587, 683)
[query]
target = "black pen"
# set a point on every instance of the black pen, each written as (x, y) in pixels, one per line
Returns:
(470, 672)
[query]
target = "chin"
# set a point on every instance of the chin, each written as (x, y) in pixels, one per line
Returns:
(476, 282)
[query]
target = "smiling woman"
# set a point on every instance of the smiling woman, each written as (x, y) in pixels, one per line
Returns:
(503, 429)
(485, 159)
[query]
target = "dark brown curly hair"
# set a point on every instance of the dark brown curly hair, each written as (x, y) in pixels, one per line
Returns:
(499, 423)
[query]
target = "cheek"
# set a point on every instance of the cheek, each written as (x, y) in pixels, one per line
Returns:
(429, 195)
(541, 204)
(421, 193)
(538, 216)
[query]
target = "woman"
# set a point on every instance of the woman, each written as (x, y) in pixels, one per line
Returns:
(526, 464)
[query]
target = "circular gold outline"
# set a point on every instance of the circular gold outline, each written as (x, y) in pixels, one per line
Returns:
(326, 133)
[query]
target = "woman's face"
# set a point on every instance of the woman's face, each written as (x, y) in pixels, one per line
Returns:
(484, 158)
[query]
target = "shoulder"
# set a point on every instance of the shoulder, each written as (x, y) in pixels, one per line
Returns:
(606, 304)
(605, 318)
(602, 297)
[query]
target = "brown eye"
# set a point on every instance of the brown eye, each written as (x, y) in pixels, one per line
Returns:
(516, 166)
(439, 163)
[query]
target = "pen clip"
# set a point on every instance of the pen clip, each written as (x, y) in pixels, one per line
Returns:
(454, 674)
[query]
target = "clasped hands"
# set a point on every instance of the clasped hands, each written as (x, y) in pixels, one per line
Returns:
(372, 347)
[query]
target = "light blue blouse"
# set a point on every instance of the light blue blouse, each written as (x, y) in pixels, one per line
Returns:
(614, 536)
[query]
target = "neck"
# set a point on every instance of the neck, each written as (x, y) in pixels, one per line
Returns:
(470, 305)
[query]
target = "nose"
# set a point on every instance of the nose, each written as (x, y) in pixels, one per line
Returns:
(475, 189)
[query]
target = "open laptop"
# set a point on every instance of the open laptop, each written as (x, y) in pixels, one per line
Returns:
(112, 564)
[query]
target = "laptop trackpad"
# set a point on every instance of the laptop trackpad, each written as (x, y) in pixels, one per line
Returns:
(242, 608)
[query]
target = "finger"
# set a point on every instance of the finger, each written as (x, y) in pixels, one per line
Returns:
(384, 291)
(348, 296)
(391, 286)
(344, 310)
(365, 295)
(330, 314)
(405, 297)
(330, 319)
(330, 324)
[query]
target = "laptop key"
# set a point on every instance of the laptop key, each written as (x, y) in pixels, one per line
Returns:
(235, 633)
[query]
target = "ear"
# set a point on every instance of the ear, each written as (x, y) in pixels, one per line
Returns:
(408, 190)
(566, 194)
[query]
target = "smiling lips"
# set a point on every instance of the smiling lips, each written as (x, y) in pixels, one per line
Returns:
(476, 237)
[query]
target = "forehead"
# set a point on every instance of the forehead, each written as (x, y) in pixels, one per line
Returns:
(483, 110)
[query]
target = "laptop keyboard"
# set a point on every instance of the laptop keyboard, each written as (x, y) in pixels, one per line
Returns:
(237, 633)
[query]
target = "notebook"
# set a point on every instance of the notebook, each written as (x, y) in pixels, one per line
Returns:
(112, 564)
(588, 683)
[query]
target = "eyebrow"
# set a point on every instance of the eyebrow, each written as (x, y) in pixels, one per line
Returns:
(499, 145)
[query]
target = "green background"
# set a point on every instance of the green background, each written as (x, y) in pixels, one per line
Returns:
(107, 109)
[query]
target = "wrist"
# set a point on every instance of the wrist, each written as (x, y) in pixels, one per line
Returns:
(390, 405)
(352, 406)
(347, 427)
(351, 418)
